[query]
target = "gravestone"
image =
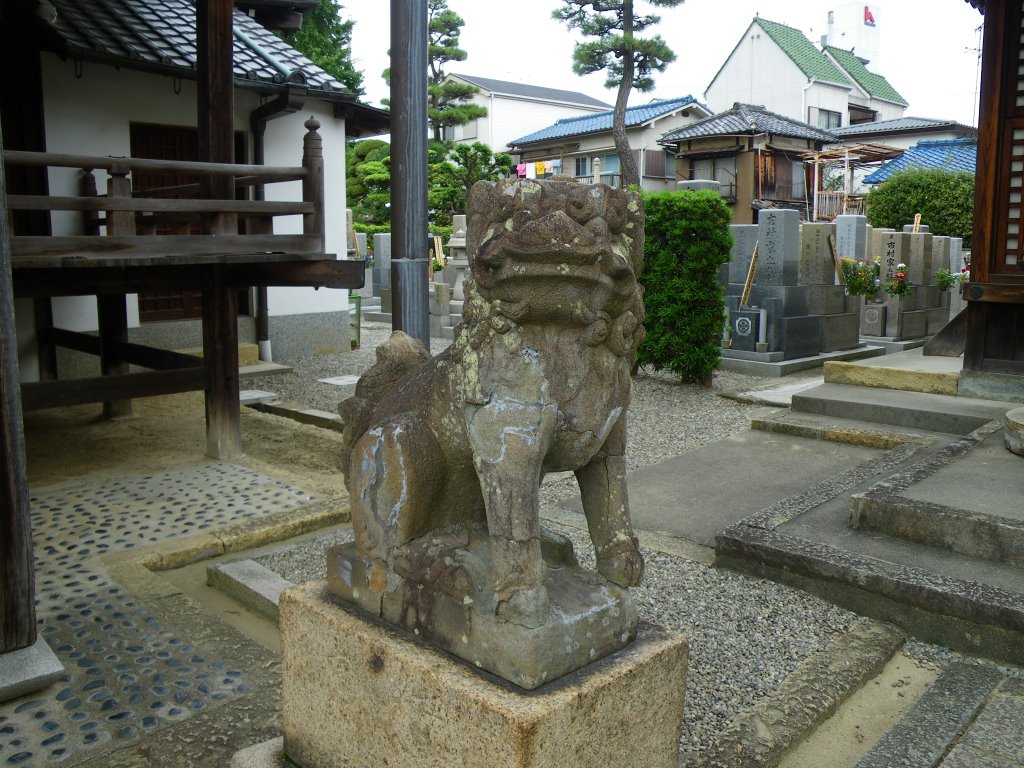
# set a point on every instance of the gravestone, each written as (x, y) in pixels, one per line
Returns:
(923, 229)
(942, 252)
(919, 259)
(816, 264)
(744, 236)
(699, 185)
(851, 237)
(779, 250)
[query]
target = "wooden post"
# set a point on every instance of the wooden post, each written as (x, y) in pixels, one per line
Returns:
(749, 282)
(220, 356)
(215, 103)
(17, 575)
(216, 115)
(112, 312)
(313, 181)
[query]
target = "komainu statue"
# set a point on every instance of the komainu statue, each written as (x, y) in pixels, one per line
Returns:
(443, 457)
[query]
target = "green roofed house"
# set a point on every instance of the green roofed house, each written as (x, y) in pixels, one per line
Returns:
(778, 66)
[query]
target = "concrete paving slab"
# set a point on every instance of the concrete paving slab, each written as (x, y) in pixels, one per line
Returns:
(757, 364)
(700, 493)
(778, 395)
(253, 585)
(914, 360)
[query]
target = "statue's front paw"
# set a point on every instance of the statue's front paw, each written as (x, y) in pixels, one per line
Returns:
(525, 607)
(623, 565)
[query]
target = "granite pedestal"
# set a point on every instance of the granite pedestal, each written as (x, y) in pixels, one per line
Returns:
(358, 693)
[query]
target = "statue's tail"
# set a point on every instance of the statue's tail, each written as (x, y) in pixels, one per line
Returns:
(396, 357)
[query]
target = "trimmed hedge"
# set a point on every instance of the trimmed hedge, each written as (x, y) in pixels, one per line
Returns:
(687, 239)
(945, 200)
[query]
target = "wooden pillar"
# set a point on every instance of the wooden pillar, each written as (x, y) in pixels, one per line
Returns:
(17, 575)
(113, 314)
(215, 110)
(220, 355)
(216, 107)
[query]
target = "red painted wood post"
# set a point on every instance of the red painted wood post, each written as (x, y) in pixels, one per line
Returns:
(17, 574)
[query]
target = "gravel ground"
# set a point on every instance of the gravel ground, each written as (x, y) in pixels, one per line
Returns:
(746, 635)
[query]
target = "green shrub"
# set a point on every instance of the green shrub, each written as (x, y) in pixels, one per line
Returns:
(945, 200)
(687, 240)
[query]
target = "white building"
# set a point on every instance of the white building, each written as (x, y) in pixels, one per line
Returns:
(776, 66)
(516, 109)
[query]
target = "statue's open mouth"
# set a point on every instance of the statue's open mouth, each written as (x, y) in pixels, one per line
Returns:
(553, 246)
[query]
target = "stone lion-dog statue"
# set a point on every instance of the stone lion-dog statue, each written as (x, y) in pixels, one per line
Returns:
(443, 457)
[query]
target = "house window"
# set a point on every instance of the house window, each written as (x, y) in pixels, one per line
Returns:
(720, 169)
(828, 119)
(582, 166)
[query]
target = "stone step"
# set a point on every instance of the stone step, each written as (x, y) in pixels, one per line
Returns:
(910, 372)
(915, 410)
(248, 353)
(939, 725)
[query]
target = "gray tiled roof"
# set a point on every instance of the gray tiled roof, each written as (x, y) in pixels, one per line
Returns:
(526, 91)
(160, 35)
(901, 124)
(747, 119)
(602, 121)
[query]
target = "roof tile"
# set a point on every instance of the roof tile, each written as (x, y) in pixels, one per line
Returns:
(748, 119)
(162, 32)
(531, 91)
(802, 51)
(876, 86)
(602, 121)
(946, 155)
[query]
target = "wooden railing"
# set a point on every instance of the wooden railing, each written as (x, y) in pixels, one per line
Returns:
(132, 217)
(832, 204)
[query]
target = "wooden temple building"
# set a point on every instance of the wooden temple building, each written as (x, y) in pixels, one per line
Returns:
(202, 226)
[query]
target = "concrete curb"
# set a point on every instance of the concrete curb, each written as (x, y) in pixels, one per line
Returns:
(253, 585)
(245, 535)
(301, 414)
(761, 735)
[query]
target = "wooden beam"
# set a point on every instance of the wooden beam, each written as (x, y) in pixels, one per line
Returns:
(82, 249)
(57, 394)
(158, 205)
(17, 575)
(317, 274)
(1000, 293)
(262, 173)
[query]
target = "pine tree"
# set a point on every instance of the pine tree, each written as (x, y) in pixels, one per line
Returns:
(448, 103)
(326, 40)
(628, 60)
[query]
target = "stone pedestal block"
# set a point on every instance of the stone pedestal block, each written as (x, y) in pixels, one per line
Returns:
(839, 332)
(385, 300)
(928, 296)
(872, 319)
(935, 320)
(826, 299)
(382, 250)
(801, 336)
(356, 693)
(793, 298)
(905, 324)
(919, 259)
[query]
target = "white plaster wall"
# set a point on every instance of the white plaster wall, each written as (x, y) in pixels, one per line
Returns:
(91, 115)
(758, 72)
(514, 118)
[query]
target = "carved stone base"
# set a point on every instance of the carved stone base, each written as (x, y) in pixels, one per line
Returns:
(357, 693)
(428, 594)
(1014, 434)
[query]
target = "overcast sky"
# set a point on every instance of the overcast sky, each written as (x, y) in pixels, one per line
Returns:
(928, 47)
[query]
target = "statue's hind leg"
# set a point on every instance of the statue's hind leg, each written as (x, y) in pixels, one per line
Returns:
(395, 473)
(603, 490)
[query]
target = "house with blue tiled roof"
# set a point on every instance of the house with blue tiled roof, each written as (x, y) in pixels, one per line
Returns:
(583, 146)
(778, 66)
(946, 155)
